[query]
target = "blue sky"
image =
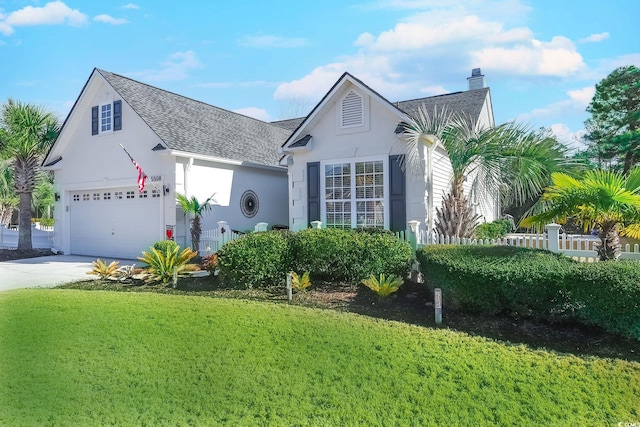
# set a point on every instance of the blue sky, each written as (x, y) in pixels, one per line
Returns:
(273, 60)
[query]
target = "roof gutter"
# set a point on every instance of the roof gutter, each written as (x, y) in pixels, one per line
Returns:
(187, 155)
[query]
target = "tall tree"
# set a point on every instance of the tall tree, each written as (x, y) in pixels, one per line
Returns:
(29, 132)
(8, 197)
(194, 207)
(606, 200)
(509, 159)
(614, 126)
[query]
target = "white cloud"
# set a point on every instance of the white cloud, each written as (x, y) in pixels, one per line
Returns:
(595, 38)
(572, 140)
(5, 29)
(52, 13)
(438, 48)
(130, 6)
(575, 104)
(557, 58)
(256, 113)
(176, 67)
(106, 19)
(269, 41)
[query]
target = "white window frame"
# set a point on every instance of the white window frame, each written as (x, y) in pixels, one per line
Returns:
(101, 107)
(354, 201)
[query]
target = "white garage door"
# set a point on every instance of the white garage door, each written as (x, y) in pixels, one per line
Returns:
(115, 222)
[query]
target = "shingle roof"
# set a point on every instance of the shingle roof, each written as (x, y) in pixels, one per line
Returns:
(467, 103)
(192, 126)
(291, 124)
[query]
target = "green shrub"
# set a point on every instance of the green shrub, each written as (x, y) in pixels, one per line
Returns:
(536, 283)
(497, 279)
(43, 221)
(493, 230)
(607, 294)
(165, 245)
(256, 259)
(333, 254)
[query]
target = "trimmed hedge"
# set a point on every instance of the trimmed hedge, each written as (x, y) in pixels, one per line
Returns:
(256, 259)
(493, 230)
(264, 259)
(536, 283)
(350, 255)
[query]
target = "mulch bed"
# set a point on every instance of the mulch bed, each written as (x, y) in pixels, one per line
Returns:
(14, 254)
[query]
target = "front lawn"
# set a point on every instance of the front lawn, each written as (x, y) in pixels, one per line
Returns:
(72, 357)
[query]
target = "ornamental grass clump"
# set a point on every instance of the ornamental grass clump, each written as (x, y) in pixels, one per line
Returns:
(383, 286)
(167, 265)
(104, 270)
(300, 284)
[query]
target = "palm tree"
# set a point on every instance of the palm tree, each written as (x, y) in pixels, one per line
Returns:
(8, 198)
(29, 132)
(509, 158)
(194, 207)
(601, 199)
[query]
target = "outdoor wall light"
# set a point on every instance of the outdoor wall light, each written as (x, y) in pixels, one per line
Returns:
(166, 189)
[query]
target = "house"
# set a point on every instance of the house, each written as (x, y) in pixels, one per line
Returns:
(182, 145)
(343, 159)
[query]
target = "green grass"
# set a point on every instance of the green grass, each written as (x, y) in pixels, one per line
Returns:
(71, 357)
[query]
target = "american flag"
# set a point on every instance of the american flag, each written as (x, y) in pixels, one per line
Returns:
(141, 175)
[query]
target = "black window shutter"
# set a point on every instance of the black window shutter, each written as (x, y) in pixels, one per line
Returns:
(94, 120)
(117, 115)
(397, 195)
(313, 191)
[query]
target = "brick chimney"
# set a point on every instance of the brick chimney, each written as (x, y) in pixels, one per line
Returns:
(477, 80)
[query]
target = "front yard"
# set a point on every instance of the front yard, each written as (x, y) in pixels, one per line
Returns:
(71, 357)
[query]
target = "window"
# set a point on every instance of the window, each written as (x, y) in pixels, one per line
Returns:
(143, 195)
(96, 196)
(155, 193)
(85, 197)
(117, 195)
(131, 195)
(105, 118)
(354, 194)
(76, 197)
(106, 196)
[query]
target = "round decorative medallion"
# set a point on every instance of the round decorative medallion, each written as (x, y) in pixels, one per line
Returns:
(249, 204)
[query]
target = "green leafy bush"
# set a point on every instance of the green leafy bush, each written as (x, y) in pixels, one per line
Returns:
(535, 283)
(493, 230)
(607, 294)
(44, 221)
(165, 245)
(350, 255)
(256, 259)
(264, 259)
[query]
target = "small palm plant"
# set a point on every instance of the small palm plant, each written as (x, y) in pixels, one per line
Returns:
(383, 286)
(104, 270)
(300, 284)
(167, 265)
(194, 207)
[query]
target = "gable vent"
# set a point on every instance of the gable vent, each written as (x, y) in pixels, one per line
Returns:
(352, 110)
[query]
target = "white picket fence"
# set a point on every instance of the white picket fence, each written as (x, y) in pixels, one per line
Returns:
(580, 248)
(212, 240)
(41, 237)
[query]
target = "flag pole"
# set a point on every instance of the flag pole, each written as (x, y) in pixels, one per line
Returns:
(140, 170)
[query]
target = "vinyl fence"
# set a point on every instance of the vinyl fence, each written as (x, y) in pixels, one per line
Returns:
(41, 237)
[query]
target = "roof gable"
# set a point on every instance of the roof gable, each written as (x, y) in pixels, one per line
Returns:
(192, 126)
(469, 103)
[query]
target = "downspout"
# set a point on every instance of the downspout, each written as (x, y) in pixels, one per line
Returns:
(187, 233)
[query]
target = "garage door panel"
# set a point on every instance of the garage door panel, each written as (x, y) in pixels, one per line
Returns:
(118, 223)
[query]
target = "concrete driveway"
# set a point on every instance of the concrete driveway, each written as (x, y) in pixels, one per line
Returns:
(47, 271)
